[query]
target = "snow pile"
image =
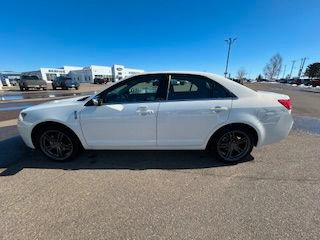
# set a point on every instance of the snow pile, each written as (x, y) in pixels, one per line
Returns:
(305, 86)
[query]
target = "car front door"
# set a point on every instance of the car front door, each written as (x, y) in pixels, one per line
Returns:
(127, 116)
(195, 106)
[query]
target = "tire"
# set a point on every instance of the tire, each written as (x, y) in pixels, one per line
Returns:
(57, 143)
(26, 88)
(232, 145)
(21, 88)
(44, 89)
(77, 88)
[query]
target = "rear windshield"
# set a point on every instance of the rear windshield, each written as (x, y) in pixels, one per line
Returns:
(30, 77)
(70, 80)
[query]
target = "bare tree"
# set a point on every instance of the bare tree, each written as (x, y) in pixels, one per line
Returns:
(273, 67)
(241, 73)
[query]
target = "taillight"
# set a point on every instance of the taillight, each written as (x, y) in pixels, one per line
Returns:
(286, 103)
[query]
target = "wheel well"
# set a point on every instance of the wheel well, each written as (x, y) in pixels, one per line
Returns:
(40, 126)
(241, 126)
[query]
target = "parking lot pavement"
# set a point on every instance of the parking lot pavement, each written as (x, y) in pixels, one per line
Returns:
(304, 103)
(13, 94)
(165, 194)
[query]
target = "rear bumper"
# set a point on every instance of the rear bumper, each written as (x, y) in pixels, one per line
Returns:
(36, 86)
(275, 132)
(25, 130)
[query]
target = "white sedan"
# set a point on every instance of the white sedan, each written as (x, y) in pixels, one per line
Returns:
(161, 111)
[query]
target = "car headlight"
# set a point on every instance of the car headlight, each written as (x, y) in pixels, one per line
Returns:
(22, 115)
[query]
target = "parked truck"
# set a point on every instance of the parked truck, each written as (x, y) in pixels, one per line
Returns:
(27, 82)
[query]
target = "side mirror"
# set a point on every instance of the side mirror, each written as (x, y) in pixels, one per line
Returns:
(97, 101)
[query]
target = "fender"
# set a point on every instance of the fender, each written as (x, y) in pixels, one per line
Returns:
(242, 118)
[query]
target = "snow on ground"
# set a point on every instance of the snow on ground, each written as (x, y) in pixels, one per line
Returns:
(305, 86)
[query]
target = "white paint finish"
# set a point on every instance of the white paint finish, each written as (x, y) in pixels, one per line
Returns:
(120, 125)
(165, 125)
(187, 123)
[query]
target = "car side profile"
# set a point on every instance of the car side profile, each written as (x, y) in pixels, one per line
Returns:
(161, 111)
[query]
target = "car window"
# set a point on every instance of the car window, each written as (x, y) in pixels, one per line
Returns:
(187, 87)
(136, 89)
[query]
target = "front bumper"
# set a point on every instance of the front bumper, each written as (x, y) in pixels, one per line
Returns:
(25, 130)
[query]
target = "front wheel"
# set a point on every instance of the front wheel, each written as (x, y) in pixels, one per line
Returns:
(58, 144)
(233, 145)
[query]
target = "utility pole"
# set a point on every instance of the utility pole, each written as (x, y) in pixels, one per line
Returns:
(293, 62)
(303, 60)
(229, 41)
(284, 71)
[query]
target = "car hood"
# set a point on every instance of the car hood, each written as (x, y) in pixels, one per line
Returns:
(69, 102)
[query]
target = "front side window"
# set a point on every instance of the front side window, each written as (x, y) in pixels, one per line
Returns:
(137, 89)
(192, 87)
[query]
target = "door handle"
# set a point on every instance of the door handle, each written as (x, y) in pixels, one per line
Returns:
(218, 109)
(143, 110)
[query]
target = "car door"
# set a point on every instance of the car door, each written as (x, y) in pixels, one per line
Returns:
(195, 106)
(127, 116)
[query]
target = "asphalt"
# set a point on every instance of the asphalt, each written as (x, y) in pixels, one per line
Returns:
(165, 194)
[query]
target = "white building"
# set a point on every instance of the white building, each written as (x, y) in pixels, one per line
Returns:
(48, 74)
(85, 74)
(9, 75)
(114, 73)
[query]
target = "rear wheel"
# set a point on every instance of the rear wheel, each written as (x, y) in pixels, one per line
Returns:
(57, 143)
(233, 145)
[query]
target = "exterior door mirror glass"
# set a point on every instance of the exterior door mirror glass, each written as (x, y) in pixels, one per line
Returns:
(97, 101)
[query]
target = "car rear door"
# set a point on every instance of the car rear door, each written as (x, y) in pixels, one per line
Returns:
(195, 106)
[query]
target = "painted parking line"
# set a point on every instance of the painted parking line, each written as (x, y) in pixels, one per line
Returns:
(8, 123)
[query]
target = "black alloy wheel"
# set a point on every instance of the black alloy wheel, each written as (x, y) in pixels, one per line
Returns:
(58, 144)
(234, 145)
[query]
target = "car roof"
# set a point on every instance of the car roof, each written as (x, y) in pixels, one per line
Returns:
(236, 88)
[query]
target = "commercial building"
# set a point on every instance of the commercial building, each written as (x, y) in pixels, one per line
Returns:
(85, 74)
(114, 73)
(49, 74)
(9, 75)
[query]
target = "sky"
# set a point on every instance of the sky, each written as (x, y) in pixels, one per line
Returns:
(158, 35)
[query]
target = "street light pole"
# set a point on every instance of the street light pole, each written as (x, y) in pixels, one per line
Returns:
(284, 71)
(293, 62)
(303, 60)
(229, 41)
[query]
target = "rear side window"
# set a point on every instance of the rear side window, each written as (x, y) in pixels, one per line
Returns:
(189, 87)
